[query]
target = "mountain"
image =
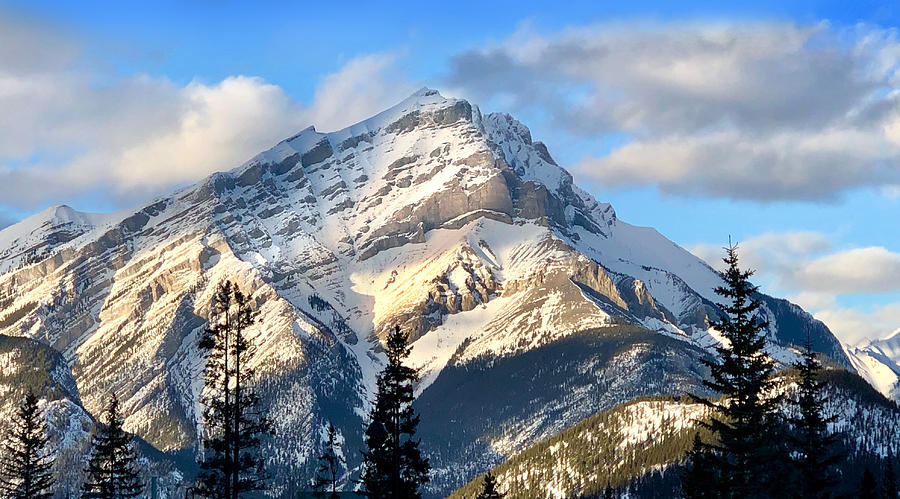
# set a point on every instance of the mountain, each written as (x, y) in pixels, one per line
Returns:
(520, 291)
(878, 362)
(644, 442)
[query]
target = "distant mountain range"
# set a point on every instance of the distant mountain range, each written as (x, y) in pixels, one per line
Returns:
(532, 306)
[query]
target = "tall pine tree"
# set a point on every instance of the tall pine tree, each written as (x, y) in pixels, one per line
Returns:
(814, 446)
(112, 471)
(489, 488)
(745, 423)
(232, 423)
(329, 468)
(26, 461)
(393, 465)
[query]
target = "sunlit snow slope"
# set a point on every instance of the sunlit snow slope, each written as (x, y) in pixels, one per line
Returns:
(452, 224)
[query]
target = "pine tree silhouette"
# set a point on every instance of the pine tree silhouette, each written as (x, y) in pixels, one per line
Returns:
(815, 447)
(489, 487)
(393, 465)
(699, 478)
(25, 467)
(112, 471)
(868, 486)
(746, 422)
(233, 426)
(329, 467)
(608, 492)
(889, 485)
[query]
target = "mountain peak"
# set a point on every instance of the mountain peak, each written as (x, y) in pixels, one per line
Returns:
(425, 92)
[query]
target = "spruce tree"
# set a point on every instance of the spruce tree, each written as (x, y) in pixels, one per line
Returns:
(868, 486)
(745, 422)
(329, 467)
(112, 471)
(889, 485)
(232, 423)
(608, 492)
(26, 462)
(699, 478)
(489, 487)
(814, 446)
(393, 464)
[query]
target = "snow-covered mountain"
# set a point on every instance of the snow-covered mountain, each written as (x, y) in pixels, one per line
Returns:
(520, 290)
(878, 362)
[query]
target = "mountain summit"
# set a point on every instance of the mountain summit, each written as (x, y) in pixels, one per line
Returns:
(531, 305)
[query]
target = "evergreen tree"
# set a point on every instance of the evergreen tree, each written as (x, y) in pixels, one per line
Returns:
(814, 446)
(25, 468)
(699, 476)
(232, 423)
(489, 487)
(393, 465)
(329, 467)
(889, 485)
(112, 471)
(745, 423)
(868, 486)
(608, 492)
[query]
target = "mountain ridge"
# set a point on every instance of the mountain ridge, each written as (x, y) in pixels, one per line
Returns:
(457, 226)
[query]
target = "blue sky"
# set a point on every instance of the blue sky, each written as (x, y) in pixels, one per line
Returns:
(776, 123)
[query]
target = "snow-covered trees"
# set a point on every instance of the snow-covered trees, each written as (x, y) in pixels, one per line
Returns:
(329, 467)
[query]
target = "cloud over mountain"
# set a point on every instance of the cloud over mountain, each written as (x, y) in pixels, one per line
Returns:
(77, 128)
(806, 266)
(762, 111)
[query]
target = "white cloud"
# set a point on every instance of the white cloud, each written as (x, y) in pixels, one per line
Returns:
(860, 270)
(763, 111)
(363, 87)
(806, 267)
(219, 126)
(814, 300)
(47, 46)
(854, 325)
(809, 165)
(69, 129)
(138, 135)
(770, 252)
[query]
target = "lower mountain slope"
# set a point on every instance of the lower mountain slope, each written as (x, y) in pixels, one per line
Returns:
(479, 412)
(641, 444)
(29, 365)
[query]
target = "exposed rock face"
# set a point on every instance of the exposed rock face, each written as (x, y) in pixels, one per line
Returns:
(452, 224)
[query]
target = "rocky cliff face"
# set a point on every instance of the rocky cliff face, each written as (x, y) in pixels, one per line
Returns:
(452, 224)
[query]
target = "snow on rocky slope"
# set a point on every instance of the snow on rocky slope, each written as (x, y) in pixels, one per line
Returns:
(27, 364)
(643, 442)
(455, 225)
(878, 362)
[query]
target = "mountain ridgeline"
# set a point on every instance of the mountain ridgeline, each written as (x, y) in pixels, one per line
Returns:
(529, 305)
